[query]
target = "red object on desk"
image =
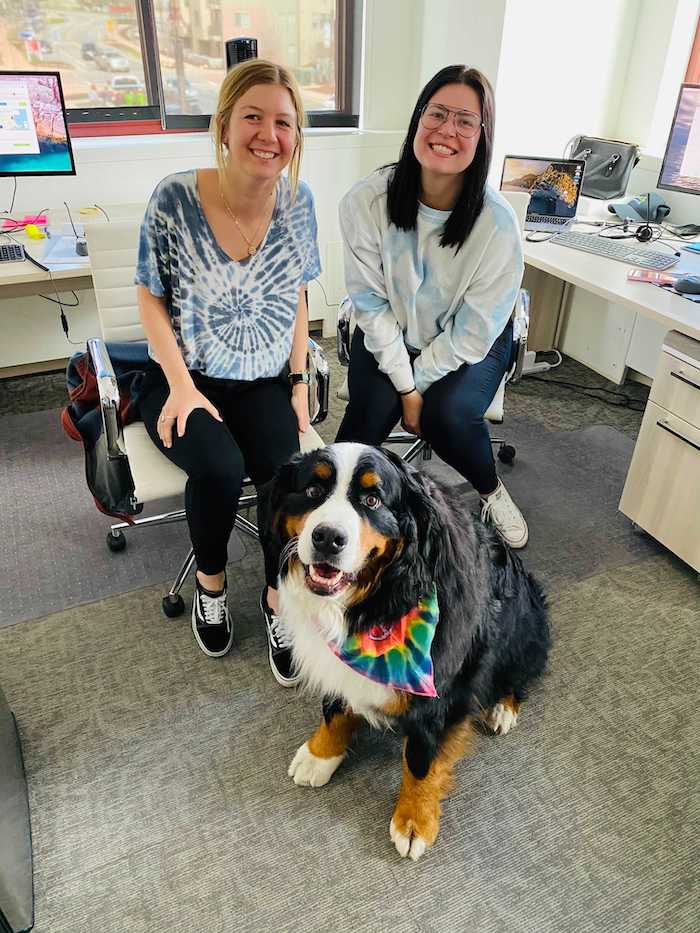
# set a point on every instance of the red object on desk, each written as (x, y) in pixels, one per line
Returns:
(40, 220)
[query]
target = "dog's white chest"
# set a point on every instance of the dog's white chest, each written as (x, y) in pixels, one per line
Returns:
(308, 621)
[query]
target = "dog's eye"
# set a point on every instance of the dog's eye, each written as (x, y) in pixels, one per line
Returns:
(372, 501)
(314, 491)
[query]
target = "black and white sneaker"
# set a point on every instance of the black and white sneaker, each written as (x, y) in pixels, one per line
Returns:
(211, 622)
(278, 649)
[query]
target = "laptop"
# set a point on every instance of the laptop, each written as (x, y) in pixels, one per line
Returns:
(554, 186)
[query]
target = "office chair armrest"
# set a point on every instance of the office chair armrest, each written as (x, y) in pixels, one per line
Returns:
(109, 397)
(319, 384)
(521, 326)
(342, 331)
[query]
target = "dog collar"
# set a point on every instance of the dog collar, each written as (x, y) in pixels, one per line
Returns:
(397, 654)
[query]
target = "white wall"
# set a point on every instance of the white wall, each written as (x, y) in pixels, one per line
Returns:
(560, 73)
(465, 32)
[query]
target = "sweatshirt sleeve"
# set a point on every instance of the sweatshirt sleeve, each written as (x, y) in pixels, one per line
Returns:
(482, 315)
(364, 279)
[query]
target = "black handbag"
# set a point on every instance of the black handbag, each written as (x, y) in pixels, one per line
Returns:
(609, 164)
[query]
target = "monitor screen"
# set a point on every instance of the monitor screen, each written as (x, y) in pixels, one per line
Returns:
(681, 166)
(554, 185)
(33, 131)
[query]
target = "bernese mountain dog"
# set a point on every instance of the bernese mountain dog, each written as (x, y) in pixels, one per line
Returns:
(402, 609)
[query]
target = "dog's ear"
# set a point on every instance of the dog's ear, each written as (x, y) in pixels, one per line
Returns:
(284, 481)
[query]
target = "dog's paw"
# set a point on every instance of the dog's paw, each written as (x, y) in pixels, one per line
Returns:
(502, 718)
(308, 770)
(408, 838)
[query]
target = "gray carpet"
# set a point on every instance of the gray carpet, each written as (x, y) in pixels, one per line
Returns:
(160, 798)
(54, 536)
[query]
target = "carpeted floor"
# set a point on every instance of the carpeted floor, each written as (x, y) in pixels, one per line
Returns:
(158, 782)
(160, 798)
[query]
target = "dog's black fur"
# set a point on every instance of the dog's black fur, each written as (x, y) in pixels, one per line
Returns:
(493, 634)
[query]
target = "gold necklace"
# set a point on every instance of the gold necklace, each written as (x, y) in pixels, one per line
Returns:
(252, 250)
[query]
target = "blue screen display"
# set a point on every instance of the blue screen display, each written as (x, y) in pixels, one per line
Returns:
(33, 132)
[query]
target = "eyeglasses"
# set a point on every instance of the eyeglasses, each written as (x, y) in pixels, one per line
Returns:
(467, 124)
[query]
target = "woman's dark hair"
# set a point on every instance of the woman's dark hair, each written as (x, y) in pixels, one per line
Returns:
(404, 182)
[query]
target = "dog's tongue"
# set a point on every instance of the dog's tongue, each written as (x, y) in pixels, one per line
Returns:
(325, 573)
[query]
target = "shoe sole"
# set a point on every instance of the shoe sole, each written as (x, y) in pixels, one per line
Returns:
(209, 653)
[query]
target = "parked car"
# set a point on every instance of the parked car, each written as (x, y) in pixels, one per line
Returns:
(88, 51)
(111, 60)
(125, 91)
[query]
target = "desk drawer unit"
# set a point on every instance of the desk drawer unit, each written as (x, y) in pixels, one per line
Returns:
(662, 491)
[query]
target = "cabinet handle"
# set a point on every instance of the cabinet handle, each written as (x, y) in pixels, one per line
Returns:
(688, 382)
(662, 424)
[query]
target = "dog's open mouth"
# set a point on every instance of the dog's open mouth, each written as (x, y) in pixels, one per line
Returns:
(326, 580)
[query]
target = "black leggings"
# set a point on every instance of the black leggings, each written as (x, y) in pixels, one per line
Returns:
(452, 419)
(259, 433)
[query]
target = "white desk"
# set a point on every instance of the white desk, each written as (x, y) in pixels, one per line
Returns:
(607, 279)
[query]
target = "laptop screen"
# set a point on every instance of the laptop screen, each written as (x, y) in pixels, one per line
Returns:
(554, 185)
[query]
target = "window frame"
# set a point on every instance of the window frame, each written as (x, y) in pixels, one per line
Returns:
(153, 119)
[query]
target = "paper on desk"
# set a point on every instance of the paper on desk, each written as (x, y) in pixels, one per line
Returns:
(60, 251)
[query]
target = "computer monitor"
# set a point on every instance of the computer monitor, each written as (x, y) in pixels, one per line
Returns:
(680, 170)
(33, 128)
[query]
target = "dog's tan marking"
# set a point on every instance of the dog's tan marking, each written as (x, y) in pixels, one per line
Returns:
(332, 739)
(368, 578)
(323, 470)
(293, 525)
(398, 704)
(417, 813)
(369, 479)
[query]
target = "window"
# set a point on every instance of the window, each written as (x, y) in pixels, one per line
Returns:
(163, 61)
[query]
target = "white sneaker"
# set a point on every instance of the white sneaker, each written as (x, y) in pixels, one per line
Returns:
(505, 516)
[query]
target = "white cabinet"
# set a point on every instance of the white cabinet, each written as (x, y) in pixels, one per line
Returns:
(662, 491)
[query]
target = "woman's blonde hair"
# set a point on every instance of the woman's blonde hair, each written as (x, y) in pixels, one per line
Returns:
(238, 82)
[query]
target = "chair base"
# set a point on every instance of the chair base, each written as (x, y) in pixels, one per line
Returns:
(173, 604)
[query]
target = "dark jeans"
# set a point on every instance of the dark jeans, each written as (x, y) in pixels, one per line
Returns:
(452, 420)
(258, 434)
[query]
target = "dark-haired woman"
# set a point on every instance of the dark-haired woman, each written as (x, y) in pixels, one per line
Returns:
(433, 263)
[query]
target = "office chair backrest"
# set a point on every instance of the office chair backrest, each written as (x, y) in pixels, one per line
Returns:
(519, 201)
(113, 248)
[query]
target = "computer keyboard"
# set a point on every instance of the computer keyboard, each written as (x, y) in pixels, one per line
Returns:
(11, 252)
(545, 219)
(634, 255)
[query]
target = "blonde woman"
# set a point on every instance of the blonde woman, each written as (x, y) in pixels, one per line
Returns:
(224, 256)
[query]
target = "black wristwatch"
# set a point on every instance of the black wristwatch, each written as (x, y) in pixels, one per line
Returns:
(296, 378)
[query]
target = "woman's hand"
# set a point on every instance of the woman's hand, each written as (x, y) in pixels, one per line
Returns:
(412, 405)
(300, 404)
(183, 399)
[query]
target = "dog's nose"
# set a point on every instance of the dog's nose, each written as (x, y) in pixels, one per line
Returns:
(328, 540)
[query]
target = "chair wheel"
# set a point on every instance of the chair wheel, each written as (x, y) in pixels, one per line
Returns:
(116, 542)
(173, 605)
(506, 453)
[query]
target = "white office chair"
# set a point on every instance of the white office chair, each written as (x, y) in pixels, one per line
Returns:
(113, 251)
(494, 414)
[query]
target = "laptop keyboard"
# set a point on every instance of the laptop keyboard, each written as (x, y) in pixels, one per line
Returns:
(544, 219)
(614, 249)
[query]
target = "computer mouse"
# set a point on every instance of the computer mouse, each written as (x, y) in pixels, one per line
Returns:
(688, 285)
(81, 247)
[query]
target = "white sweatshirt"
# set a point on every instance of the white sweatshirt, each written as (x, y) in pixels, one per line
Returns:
(408, 291)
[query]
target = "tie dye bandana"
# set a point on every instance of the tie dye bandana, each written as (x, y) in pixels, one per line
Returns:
(397, 654)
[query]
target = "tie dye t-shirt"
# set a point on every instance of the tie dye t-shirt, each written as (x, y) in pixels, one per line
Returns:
(232, 319)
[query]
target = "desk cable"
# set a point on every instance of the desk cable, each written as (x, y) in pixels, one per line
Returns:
(57, 300)
(627, 401)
